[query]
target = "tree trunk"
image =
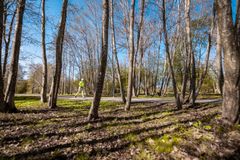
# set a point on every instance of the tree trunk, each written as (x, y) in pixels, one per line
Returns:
(177, 99)
(59, 48)
(113, 76)
(230, 112)
(12, 79)
(7, 41)
(131, 56)
(185, 76)
(122, 92)
(139, 39)
(190, 51)
(140, 66)
(93, 113)
(44, 58)
(203, 75)
(1, 37)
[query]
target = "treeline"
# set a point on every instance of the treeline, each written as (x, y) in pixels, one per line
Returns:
(131, 48)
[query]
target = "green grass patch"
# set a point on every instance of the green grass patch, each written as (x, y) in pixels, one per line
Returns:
(34, 102)
(27, 141)
(43, 123)
(164, 144)
(131, 137)
(207, 127)
(166, 113)
(197, 124)
(28, 101)
(144, 155)
(82, 156)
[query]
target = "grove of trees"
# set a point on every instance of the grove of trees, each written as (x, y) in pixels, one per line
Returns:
(181, 48)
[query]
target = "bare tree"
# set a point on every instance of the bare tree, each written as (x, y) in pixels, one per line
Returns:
(230, 112)
(131, 56)
(59, 48)
(12, 78)
(139, 31)
(93, 113)
(44, 58)
(177, 99)
(7, 38)
(122, 92)
(190, 51)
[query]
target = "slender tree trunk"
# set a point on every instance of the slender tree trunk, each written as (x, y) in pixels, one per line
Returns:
(190, 51)
(139, 31)
(93, 113)
(59, 48)
(131, 56)
(203, 75)
(230, 112)
(113, 76)
(166, 83)
(1, 37)
(44, 58)
(7, 41)
(177, 99)
(122, 92)
(12, 79)
(140, 66)
(164, 73)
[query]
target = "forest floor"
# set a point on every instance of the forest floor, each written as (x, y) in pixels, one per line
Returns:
(151, 130)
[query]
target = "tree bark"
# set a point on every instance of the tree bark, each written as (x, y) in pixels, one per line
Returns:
(220, 62)
(230, 108)
(139, 39)
(1, 37)
(185, 76)
(190, 51)
(44, 58)
(59, 48)
(176, 95)
(141, 51)
(122, 92)
(12, 79)
(93, 113)
(131, 56)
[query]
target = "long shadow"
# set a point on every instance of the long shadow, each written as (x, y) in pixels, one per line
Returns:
(155, 105)
(10, 122)
(193, 151)
(117, 123)
(65, 109)
(104, 119)
(105, 139)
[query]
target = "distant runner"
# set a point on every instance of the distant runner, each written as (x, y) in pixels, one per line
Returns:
(81, 88)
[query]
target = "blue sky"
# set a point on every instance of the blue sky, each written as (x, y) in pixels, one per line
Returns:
(32, 53)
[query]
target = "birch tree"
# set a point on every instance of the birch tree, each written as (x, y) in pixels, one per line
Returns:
(131, 56)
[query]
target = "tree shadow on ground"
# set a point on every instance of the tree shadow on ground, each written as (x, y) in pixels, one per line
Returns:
(147, 122)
